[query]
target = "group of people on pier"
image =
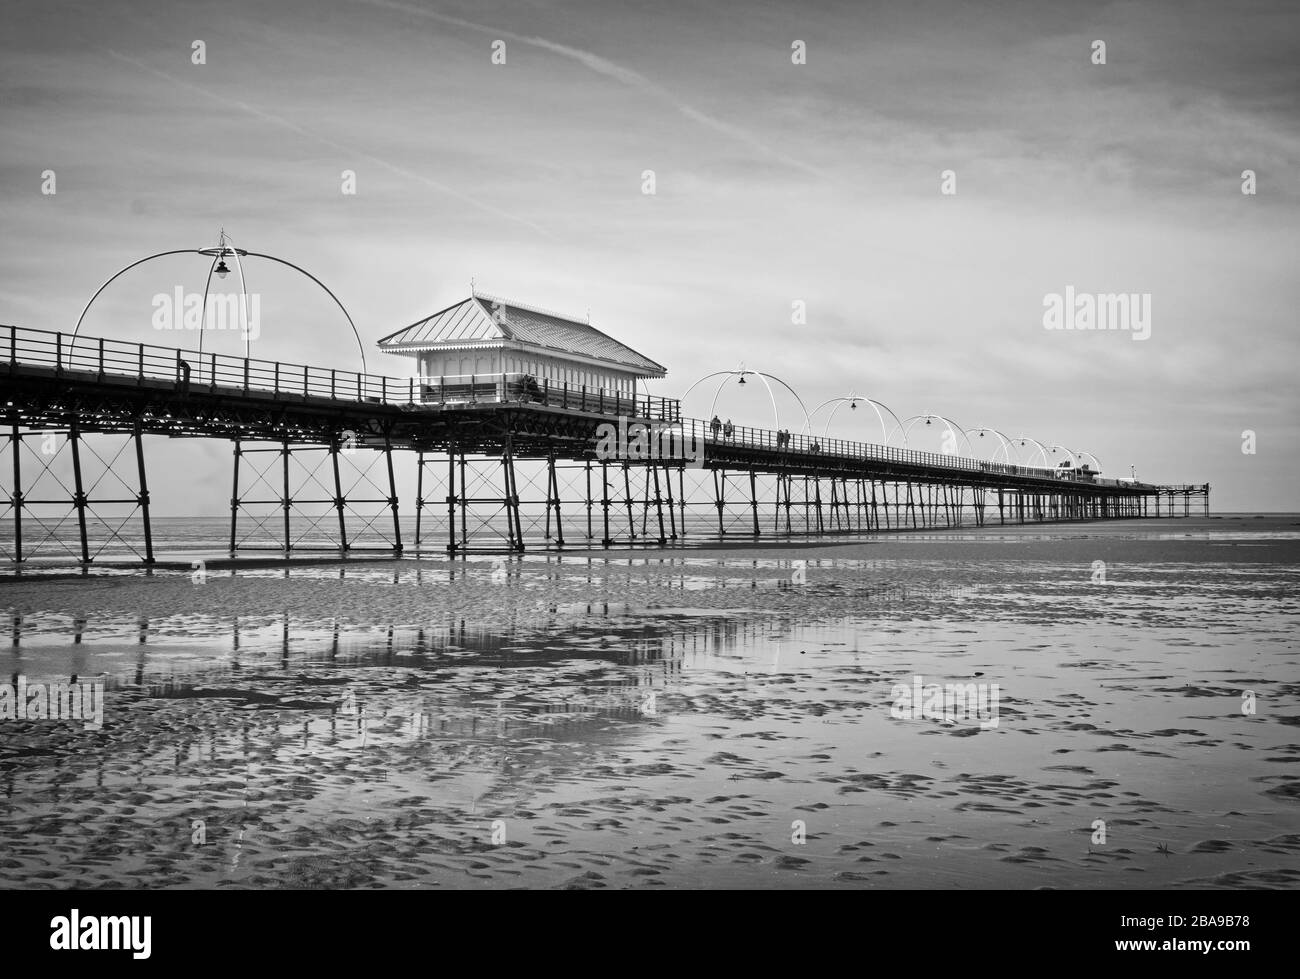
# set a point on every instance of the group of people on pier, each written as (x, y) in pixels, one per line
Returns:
(727, 431)
(783, 441)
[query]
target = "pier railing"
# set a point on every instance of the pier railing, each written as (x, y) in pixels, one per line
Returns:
(98, 358)
(526, 389)
(845, 450)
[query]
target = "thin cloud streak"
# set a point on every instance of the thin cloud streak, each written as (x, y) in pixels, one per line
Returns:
(610, 69)
(336, 145)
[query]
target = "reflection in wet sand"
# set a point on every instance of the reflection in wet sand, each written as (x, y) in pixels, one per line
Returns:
(703, 722)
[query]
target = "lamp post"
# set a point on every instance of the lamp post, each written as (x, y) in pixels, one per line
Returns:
(219, 266)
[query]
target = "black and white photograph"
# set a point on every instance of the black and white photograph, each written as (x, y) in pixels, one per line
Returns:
(553, 445)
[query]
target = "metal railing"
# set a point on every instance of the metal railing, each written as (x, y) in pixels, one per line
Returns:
(98, 358)
(847, 450)
(523, 388)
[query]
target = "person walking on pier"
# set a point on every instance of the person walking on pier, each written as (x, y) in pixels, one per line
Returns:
(184, 380)
(728, 430)
(715, 426)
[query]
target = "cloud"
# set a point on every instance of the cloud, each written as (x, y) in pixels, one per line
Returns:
(334, 144)
(609, 69)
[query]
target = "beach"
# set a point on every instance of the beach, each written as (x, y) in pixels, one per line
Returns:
(721, 716)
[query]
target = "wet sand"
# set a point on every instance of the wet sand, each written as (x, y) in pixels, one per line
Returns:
(682, 719)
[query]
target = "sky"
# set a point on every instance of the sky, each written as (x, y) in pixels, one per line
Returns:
(819, 184)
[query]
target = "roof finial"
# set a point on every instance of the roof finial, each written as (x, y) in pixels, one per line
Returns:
(589, 316)
(472, 293)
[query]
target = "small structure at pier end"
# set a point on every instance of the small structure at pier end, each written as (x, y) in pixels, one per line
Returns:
(484, 343)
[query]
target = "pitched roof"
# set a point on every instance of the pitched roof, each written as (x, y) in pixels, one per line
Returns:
(485, 319)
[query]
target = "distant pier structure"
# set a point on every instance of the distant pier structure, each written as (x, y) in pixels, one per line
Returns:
(529, 429)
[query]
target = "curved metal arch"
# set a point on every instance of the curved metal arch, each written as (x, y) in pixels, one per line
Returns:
(199, 251)
(243, 304)
(875, 406)
(762, 377)
(1022, 439)
(360, 346)
(725, 374)
(701, 381)
(947, 421)
(128, 268)
(1095, 461)
(713, 405)
(203, 311)
(1074, 459)
(1006, 442)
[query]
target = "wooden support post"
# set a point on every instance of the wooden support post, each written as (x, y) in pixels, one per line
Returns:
(681, 495)
(464, 504)
(79, 497)
(234, 498)
(16, 499)
(419, 497)
(604, 499)
(451, 500)
(554, 493)
(286, 502)
(659, 502)
(550, 489)
(142, 499)
(672, 513)
(515, 535)
(392, 492)
(339, 502)
(719, 496)
(590, 501)
(627, 495)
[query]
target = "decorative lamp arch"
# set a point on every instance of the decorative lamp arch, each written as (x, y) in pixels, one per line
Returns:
(1074, 459)
(1004, 442)
(1096, 463)
(741, 373)
(225, 249)
(952, 425)
(1042, 449)
(852, 399)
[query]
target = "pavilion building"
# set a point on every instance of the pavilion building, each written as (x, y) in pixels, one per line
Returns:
(485, 343)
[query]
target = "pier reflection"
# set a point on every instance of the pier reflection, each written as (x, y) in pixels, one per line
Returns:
(433, 702)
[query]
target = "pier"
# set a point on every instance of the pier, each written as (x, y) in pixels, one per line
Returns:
(505, 462)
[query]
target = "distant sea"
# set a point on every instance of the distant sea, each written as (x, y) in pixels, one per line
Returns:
(56, 539)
